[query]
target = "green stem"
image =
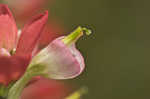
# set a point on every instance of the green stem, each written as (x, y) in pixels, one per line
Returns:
(17, 88)
(4, 90)
(15, 91)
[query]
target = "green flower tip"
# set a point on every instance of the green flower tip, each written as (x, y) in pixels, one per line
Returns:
(75, 35)
(87, 31)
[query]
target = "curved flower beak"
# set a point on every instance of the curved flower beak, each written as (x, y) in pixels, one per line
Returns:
(61, 59)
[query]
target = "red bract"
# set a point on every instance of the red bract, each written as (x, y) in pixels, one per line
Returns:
(13, 65)
(25, 8)
(8, 29)
(45, 89)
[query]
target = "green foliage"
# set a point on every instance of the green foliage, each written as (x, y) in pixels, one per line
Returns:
(4, 90)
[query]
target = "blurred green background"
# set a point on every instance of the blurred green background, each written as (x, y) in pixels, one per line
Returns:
(117, 54)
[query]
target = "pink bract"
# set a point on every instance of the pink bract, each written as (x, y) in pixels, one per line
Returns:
(61, 61)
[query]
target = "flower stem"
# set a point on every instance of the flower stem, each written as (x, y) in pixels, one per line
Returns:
(4, 90)
(15, 91)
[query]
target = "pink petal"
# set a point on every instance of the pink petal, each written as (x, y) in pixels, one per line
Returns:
(63, 62)
(31, 33)
(8, 29)
(45, 89)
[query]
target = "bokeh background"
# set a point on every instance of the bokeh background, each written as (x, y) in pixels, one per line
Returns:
(117, 54)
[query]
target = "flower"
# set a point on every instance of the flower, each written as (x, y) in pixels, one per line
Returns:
(16, 52)
(60, 59)
(18, 56)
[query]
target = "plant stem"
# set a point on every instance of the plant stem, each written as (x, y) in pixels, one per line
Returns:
(15, 91)
(17, 88)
